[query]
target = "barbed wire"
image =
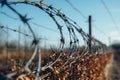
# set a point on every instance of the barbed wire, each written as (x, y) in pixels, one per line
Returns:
(37, 25)
(49, 7)
(23, 33)
(25, 20)
(71, 26)
(14, 30)
(77, 10)
(8, 15)
(63, 14)
(110, 14)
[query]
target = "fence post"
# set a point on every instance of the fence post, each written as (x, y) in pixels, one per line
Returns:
(90, 32)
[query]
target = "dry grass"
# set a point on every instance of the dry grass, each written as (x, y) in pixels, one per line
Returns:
(88, 67)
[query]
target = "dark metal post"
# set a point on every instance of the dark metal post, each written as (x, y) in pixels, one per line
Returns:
(90, 31)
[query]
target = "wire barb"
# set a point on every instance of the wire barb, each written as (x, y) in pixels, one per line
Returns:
(63, 57)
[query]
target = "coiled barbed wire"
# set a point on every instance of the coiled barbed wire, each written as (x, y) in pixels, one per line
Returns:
(71, 26)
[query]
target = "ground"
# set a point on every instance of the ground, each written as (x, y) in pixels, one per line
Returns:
(114, 72)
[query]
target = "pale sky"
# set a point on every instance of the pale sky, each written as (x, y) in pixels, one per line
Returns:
(103, 26)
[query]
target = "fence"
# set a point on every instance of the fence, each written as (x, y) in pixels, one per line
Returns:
(61, 63)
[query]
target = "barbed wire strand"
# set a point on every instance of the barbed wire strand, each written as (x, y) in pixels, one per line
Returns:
(14, 30)
(77, 10)
(34, 23)
(50, 11)
(110, 14)
(25, 21)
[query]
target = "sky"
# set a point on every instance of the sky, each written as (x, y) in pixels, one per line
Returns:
(105, 19)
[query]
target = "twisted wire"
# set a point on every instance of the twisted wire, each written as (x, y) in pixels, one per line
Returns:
(71, 25)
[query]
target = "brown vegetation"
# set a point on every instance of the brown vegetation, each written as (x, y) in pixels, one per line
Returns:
(86, 67)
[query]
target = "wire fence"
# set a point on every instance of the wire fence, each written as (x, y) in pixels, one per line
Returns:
(63, 56)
